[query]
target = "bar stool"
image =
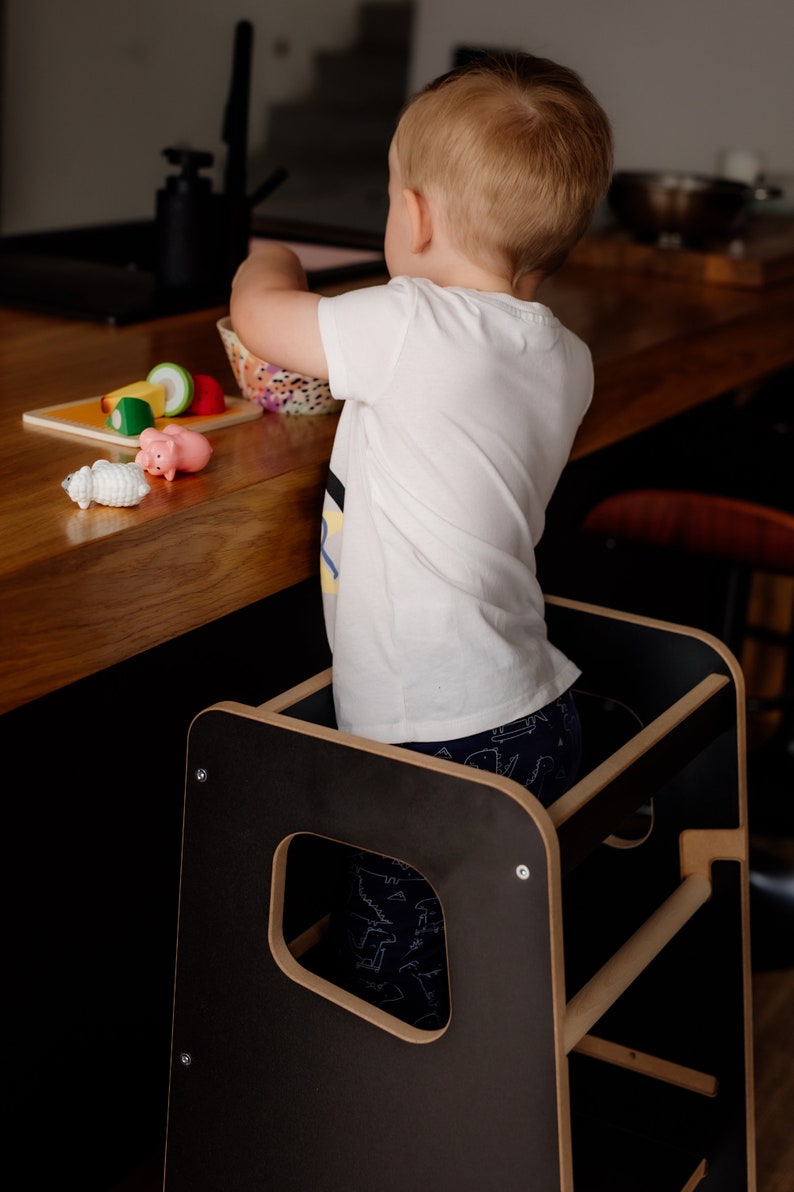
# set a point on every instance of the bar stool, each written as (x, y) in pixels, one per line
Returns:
(748, 537)
(717, 485)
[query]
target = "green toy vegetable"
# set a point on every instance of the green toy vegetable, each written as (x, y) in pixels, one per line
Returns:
(130, 416)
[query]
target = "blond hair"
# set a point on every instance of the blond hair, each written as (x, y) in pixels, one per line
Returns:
(517, 151)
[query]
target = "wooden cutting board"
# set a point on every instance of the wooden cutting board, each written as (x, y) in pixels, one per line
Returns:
(86, 419)
(762, 256)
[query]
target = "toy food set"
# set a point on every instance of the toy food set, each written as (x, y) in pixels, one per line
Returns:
(168, 393)
(270, 387)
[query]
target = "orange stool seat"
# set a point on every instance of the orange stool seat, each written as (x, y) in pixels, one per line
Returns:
(750, 535)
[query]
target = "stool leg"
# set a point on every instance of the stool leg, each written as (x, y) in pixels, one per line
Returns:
(737, 601)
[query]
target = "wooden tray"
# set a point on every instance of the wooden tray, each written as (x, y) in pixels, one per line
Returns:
(762, 256)
(86, 418)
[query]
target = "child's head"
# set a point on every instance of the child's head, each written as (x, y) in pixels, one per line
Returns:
(516, 153)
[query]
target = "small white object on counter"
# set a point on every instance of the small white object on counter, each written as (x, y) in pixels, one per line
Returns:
(740, 165)
(106, 483)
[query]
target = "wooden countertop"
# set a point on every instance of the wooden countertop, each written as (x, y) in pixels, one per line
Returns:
(83, 589)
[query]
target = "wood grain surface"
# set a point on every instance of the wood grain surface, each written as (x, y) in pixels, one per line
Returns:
(82, 589)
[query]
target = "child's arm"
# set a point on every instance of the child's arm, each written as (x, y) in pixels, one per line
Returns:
(273, 312)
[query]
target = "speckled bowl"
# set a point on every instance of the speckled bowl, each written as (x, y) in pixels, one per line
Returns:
(273, 388)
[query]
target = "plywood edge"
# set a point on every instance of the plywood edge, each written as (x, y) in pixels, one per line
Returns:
(623, 758)
(697, 1176)
(284, 955)
(648, 1065)
(613, 978)
(615, 614)
(271, 713)
(287, 699)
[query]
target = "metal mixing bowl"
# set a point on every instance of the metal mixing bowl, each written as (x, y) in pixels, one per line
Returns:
(693, 208)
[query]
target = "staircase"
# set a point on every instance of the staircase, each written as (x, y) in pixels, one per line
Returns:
(334, 142)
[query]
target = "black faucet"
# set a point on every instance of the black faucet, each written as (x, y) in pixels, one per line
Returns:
(238, 203)
(202, 237)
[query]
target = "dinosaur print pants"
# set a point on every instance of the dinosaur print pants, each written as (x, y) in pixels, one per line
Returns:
(388, 927)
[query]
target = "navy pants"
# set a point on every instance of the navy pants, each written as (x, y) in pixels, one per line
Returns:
(387, 930)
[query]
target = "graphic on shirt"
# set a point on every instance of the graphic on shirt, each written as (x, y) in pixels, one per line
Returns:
(330, 534)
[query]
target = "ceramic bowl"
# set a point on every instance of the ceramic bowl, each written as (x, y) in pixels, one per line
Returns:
(273, 388)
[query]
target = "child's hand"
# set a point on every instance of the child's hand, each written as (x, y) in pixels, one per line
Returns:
(279, 265)
(273, 312)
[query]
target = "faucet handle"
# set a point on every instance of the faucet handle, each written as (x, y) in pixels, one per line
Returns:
(190, 161)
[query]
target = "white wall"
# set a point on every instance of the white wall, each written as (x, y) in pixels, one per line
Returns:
(681, 79)
(94, 90)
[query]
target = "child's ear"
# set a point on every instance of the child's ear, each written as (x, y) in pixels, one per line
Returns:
(420, 220)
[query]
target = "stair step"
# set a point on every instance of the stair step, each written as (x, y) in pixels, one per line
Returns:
(315, 128)
(334, 163)
(326, 192)
(325, 177)
(385, 25)
(335, 143)
(353, 76)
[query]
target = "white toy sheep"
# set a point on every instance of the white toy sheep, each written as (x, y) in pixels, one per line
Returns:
(106, 483)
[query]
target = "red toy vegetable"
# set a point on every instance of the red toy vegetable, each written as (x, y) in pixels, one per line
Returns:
(207, 396)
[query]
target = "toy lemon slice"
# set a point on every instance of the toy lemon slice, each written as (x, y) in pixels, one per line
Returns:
(178, 385)
(145, 390)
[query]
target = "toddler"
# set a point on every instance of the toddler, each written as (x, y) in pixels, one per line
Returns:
(462, 394)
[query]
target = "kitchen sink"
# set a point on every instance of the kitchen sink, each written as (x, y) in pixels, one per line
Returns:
(107, 273)
(104, 273)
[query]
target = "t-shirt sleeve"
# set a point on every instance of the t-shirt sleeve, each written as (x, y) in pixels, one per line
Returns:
(363, 332)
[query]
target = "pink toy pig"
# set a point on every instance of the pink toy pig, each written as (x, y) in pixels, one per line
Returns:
(172, 449)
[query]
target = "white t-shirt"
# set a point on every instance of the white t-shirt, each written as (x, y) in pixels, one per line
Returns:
(460, 411)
